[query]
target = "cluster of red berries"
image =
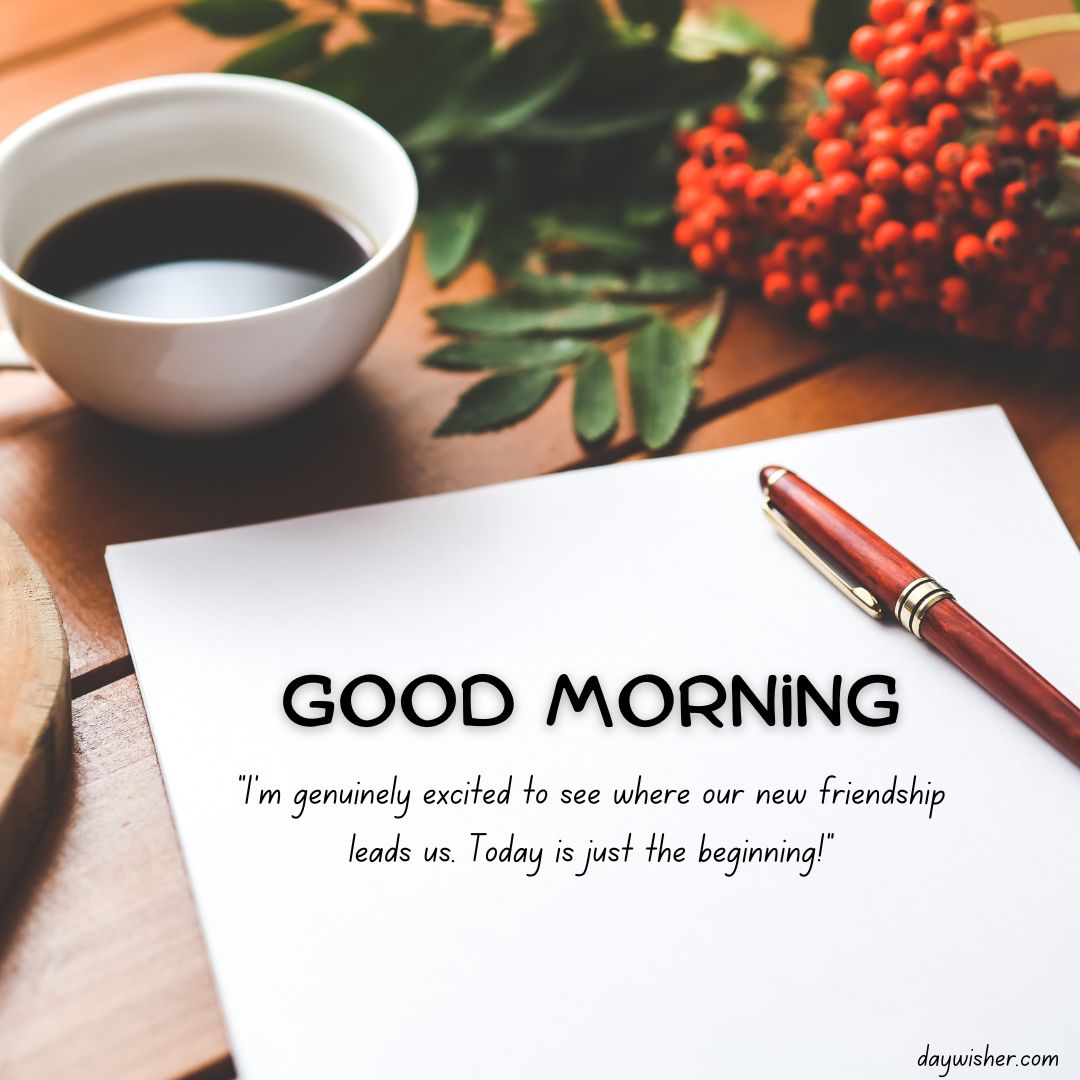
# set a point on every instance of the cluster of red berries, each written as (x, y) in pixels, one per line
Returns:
(923, 205)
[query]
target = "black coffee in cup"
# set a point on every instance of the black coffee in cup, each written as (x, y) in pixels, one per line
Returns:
(195, 250)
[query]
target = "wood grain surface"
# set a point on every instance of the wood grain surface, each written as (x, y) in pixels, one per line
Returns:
(102, 967)
(35, 705)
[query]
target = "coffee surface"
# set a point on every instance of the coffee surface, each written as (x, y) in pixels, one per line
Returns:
(195, 250)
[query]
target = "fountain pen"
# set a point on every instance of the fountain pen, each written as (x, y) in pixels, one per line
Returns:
(880, 579)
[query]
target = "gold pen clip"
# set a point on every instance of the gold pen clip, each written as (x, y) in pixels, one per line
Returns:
(860, 596)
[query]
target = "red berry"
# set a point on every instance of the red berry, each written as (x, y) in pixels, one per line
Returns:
(873, 210)
(849, 298)
(825, 123)
(908, 59)
(730, 147)
(845, 188)
(948, 197)
(893, 95)
(975, 49)
(884, 12)
(1016, 199)
(1003, 239)
(919, 178)
(850, 88)
(891, 239)
(883, 140)
(701, 140)
(950, 159)
(959, 20)
(815, 252)
(925, 14)
(704, 218)
(955, 295)
(866, 43)
(918, 143)
(1038, 85)
(820, 315)
(927, 90)
(727, 117)
(909, 272)
(691, 171)
(977, 174)
(1070, 136)
(885, 64)
(763, 189)
(941, 47)
(795, 180)
(685, 234)
(689, 199)
(970, 253)
(883, 174)
(733, 179)
(812, 285)
(703, 257)
(820, 205)
(901, 32)
(926, 237)
(1010, 138)
(1043, 137)
(888, 304)
(945, 120)
(779, 288)
(962, 84)
(833, 155)
(875, 118)
(1000, 68)
(786, 254)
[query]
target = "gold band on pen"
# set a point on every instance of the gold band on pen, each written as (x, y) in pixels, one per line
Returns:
(916, 600)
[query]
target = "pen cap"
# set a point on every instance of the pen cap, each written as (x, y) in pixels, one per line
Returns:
(845, 540)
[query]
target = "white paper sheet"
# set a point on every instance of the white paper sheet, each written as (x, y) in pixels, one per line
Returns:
(952, 932)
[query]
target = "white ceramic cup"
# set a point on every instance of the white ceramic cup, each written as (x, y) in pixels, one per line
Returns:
(203, 375)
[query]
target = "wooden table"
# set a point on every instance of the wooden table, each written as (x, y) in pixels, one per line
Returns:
(102, 967)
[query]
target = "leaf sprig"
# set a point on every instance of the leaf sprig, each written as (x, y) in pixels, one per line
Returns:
(545, 147)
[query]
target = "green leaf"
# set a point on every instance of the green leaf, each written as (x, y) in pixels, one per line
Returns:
(661, 382)
(1065, 209)
(568, 286)
(236, 18)
(421, 109)
(496, 353)
(282, 53)
(699, 338)
(666, 283)
(499, 401)
(596, 409)
(832, 24)
(511, 314)
(703, 34)
(633, 88)
(609, 239)
(582, 15)
(647, 213)
(451, 229)
(663, 14)
(521, 82)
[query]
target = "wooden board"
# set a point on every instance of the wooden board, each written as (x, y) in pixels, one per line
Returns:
(102, 967)
(35, 706)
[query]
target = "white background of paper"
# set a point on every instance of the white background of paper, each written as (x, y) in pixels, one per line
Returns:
(954, 932)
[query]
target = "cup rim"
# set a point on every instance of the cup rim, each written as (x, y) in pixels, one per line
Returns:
(91, 100)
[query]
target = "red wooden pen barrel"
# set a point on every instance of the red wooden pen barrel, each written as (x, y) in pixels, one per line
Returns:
(926, 608)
